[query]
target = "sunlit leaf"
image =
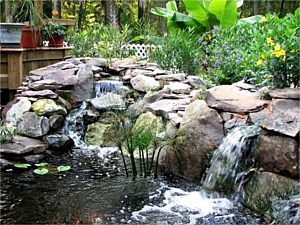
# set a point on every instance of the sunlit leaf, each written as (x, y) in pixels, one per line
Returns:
(41, 164)
(251, 19)
(171, 5)
(22, 165)
(225, 11)
(63, 168)
(41, 171)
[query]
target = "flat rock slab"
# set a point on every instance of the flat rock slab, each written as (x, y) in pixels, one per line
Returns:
(165, 106)
(290, 93)
(231, 98)
(178, 88)
(172, 77)
(43, 93)
(23, 145)
(287, 123)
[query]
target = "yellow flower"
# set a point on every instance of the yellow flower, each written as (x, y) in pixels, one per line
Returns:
(277, 47)
(278, 51)
(263, 20)
(270, 76)
(270, 41)
(259, 62)
(262, 56)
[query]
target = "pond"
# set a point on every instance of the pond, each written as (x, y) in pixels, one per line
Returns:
(96, 191)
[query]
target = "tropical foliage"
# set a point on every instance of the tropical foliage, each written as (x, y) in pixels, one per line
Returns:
(202, 15)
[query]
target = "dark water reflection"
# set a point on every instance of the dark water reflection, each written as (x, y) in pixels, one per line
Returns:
(92, 191)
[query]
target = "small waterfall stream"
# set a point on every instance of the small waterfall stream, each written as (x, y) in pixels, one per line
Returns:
(74, 126)
(234, 152)
(104, 86)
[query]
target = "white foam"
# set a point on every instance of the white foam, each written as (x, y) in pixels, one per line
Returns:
(181, 204)
(106, 152)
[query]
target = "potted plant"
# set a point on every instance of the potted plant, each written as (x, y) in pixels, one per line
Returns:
(10, 35)
(27, 13)
(55, 33)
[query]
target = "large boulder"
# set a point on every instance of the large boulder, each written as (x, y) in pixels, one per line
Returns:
(165, 106)
(178, 88)
(266, 190)
(32, 125)
(17, 109)
(94, 134)
(149, 121)
(284, 123)
(59, 140)
(56, 122)
(85, 88)
(47, 107)
(278, 154)
(231, 98)
(108, 101)
(200, 132)
(144, 83)
(288, 93)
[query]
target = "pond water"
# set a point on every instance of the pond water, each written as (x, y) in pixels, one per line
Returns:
(97, 191)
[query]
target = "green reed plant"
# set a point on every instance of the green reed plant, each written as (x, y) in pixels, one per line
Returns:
(139, 140)
(179, 51)
(101, 41)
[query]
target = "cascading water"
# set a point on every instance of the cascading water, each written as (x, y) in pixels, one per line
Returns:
(105, 86)
(74, 125)
(234, 151)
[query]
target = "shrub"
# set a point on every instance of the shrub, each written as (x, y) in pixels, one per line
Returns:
(263, 53)
(101, 41)
(179, 51)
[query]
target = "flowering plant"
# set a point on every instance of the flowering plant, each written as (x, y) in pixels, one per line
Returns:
(263, 53)
(278, 57)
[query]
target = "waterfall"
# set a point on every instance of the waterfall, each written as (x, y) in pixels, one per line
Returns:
(105, 86)
(74, 125)
(234, 153)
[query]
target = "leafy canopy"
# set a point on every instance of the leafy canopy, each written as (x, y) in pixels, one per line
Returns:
(202, 15)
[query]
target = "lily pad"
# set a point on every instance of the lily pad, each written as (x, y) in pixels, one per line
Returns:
(22, 165)
(41, 171)
(41, 164)
(63, 168)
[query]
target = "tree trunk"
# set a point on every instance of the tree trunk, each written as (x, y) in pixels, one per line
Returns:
(141, 8)
(268, 7)
(111, 12)
(255, 7)
(281, 8)
(7, 11)
(81, 14)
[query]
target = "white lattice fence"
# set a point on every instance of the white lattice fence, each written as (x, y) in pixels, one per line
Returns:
(142, 51)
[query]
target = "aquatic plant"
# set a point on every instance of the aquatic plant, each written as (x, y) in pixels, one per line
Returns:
(22, 165)
(132, 134)
(41, 171)
(63, 168)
